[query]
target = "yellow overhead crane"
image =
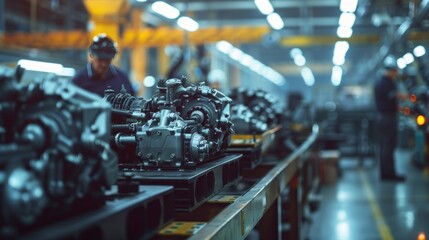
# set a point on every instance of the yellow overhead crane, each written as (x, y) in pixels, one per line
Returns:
(163, 36)
(107, 16)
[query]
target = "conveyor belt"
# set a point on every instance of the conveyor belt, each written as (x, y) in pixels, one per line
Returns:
(238, 219)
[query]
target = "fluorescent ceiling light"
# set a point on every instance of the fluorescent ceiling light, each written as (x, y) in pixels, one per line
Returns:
(347, 19)
(348, 5)
(41, 66)
(338, 60)
(224, 46)
(264, 6)
(236, 54)
(401, 63)
(165, 9)
(256, 66)
(344, 32)
(246, 60)
(295, 52)
(266, 71)
(419, 51)
(141, 0)
(67, 72)
(279, 80)
(341, 48)
(308, 76)
(299, 60)
(409, 58)
(275, 21)
(337, 73)
(188, 24)
(149, 81)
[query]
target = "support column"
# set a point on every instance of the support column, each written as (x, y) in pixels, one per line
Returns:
(107, 15)
(163, 62)
(138, 54)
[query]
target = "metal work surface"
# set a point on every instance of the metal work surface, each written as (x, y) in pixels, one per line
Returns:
(239, 218)
(122, 217)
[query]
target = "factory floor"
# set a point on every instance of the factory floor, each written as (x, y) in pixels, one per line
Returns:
(359, 206)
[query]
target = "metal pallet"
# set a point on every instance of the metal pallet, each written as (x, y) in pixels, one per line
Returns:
(194, 187)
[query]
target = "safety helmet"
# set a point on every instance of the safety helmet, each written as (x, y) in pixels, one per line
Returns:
(390, 63)
(103, 47)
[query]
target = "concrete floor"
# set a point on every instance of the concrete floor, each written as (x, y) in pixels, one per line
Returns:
(360, 206)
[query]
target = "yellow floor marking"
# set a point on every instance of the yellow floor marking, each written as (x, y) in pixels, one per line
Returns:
(383, 228)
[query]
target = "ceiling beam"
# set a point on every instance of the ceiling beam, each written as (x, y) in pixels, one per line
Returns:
(308, 41)
(197, 6)
(289, 22)
(167, 36)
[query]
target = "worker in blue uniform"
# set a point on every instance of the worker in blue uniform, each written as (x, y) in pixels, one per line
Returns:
(386, 100)
(99, 74)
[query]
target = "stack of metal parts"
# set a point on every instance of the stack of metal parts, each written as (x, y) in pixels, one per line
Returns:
(180, 127)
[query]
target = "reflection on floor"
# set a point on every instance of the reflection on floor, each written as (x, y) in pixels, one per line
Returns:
(360, 206)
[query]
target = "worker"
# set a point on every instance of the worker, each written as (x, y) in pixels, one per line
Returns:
(386, 99)
(99, 74)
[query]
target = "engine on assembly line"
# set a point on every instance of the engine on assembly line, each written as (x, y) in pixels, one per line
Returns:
(54, 149)
(179, 127)
(253, 111)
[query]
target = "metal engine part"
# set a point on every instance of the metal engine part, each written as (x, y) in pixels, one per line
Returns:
(54, 149)
(254, 111)
(178, 127)
(245, 121)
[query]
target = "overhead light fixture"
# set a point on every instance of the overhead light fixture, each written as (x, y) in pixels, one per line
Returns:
(264, 6)
(344, 32)
(337, 73)
(40, 66)
(348, 5)
(275, 21)
(409, 58)
(295, 52)
(338, 60)
(401, 63)
(67, 72)
(224, 46)
(236, 54)
(246, 60)
(341, 48)
(256, 66)
(308, 76)
(188, 24)
(251, 63)
(149, 81)
(141, 0)
(165, 9)
(299, 60)
(347, 19)
(419, 51)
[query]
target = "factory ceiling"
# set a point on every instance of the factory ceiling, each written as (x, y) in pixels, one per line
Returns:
(310, 25)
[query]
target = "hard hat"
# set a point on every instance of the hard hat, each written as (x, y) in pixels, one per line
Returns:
(103, 47)
(390, 66)
(390, 63)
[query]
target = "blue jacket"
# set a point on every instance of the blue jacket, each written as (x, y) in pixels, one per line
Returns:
(385, 95)
(115, 79)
